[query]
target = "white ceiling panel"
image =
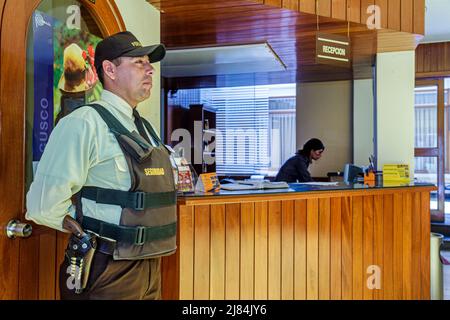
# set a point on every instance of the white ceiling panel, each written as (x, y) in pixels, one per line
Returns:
(232, 59)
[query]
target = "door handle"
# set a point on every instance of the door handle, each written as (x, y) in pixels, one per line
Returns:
(15, 229)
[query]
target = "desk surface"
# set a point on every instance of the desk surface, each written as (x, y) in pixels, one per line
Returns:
(296, 187)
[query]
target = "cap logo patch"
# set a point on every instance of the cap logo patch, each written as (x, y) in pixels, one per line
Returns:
(136, 44)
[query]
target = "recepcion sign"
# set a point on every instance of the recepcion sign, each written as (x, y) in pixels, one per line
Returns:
(333, 49)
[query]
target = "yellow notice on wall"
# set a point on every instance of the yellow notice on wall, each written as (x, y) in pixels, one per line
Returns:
(396, 172)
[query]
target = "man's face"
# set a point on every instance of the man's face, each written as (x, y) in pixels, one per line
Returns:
(316, 154)
(134, 78)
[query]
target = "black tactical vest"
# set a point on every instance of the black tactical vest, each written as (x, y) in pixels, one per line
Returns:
(148, 220)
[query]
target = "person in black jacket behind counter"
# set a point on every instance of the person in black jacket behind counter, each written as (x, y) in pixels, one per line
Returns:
(296, 168)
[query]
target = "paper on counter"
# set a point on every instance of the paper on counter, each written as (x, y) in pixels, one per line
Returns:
(318, 183)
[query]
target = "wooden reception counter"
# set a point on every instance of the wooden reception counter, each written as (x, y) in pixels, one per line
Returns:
(305, 242)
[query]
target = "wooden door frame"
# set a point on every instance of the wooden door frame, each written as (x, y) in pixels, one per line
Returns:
(438, 151)
(15, 18)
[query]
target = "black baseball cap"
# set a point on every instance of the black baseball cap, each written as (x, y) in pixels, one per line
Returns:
(125, 44)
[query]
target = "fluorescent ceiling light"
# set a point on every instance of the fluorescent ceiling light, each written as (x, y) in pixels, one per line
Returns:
(232, 59)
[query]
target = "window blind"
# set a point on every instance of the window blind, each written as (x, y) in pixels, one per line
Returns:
(242, 115)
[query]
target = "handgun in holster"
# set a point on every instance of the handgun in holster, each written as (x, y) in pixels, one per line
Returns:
(80, 252)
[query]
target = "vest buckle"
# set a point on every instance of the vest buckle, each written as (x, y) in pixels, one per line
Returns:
(139, 203)
(140, 236)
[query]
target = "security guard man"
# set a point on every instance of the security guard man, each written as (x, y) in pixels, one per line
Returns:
(106, 177)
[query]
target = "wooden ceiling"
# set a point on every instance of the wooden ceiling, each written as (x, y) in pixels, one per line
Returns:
(197, 23)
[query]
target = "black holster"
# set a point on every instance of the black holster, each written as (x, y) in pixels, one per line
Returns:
(79, 253)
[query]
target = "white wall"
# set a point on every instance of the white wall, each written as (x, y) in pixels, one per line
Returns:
(143, 20)
(395, 108)
(363, 142)
(324, 111)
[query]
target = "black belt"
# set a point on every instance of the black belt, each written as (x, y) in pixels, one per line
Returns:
(127, 199)
(105, 246)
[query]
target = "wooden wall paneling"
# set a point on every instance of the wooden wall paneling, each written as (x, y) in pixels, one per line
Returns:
(419, 17)
(305, 245)
(425, 245)
(48, 267)
(429, 58)
(357, 245)
(2, 5)
(415, 246)
(368, 245)
(312, 249)
(388, 248)
(275, 3)
(426, 51)
(287, 250)
(339, 9)
(407, 261)
(433, 60)
(394, 14)
(186, 252)
(170, 273)
(398, 245)
(107, 16)
(324, 249)
(419, 59)
(364, 6)
(378, 243)
(447, 57)
(261, 249)
(336, 249)
(383, 5)
(61, 244)
(247, 264)
(407, 16)
(29, 268)
(354, 10)
(347, 262)
(217, 253)
(324, 7)
(281, 28)
(441, 57)
(300, 250)
(291, 4)
(201, 252)
(307, 6)
(232, 256)
(274, 266)
(12, 164)
(436, 54)
(388, 41)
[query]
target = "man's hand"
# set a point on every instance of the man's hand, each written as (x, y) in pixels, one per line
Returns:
(70, 224)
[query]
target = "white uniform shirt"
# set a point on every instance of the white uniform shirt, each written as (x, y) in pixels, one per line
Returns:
(81, 151)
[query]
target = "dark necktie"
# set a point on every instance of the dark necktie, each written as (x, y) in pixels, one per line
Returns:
(140, 125)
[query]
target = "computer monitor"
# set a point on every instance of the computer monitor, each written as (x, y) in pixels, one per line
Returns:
(351, 172)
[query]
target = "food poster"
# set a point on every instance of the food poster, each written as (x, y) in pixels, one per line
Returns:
(64, 75)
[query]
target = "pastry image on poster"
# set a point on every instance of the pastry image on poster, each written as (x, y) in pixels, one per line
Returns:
(75, 80)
